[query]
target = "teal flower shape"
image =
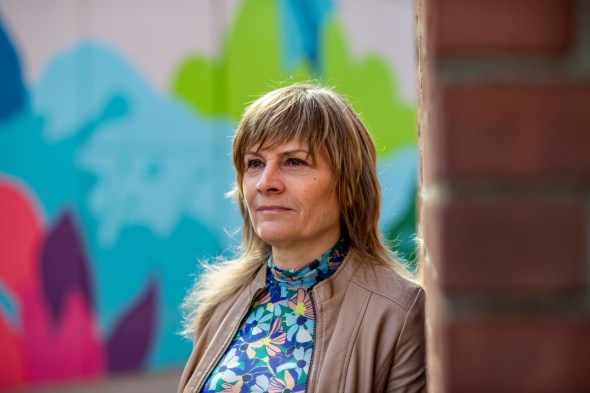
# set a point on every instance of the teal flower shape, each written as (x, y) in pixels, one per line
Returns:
(300, 362)
(299, 325)
(259, 321)
(225, 369)
(262, 384)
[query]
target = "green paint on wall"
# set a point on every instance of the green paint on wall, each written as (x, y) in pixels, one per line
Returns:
(250, 66)
(372, 91)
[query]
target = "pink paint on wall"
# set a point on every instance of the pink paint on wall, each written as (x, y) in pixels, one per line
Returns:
(11, 361)
(35, 347)
(66, 350)
(21, 232)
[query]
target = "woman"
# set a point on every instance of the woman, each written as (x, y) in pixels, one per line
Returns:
(315, 302)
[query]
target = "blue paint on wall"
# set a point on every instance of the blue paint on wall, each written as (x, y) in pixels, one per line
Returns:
(397, 174)
(303, 21)
(8, 307)
(12, 89)
(146, 175)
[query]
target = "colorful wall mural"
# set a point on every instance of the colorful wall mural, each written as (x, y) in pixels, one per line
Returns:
(115, 127)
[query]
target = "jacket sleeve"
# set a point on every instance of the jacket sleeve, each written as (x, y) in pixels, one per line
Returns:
(193, 360)
(408, 370)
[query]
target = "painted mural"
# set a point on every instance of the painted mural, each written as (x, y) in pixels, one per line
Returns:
(114, 158)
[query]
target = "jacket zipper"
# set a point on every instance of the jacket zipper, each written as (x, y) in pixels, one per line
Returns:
(315, 326)
(226, 344)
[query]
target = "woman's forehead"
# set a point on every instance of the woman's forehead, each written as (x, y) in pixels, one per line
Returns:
(291, 145)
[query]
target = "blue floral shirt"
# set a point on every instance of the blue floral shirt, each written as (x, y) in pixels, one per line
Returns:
(272, 350)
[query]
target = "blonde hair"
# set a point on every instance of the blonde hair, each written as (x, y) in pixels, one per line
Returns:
(322, 119)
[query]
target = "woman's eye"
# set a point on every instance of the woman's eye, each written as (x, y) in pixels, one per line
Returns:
(295, 162)
(255, 164)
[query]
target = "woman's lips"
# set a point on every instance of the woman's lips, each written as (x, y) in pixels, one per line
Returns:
(272, 209)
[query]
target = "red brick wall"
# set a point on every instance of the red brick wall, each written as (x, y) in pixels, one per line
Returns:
(505, 200)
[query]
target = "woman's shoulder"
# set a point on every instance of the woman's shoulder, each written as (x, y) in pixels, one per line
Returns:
(383, 280)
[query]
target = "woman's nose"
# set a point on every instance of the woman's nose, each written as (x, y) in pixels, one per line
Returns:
(270, 180)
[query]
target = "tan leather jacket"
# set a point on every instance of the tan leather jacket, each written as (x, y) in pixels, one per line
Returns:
(369, 332)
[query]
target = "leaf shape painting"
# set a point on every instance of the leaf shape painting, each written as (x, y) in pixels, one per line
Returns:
(64, 268)
(129, 343)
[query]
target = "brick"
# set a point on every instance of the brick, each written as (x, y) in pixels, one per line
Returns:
(503, 27)
(508, 247)
(518, 354)
(515, 131)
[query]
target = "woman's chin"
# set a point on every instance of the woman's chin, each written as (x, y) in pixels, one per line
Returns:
(276, 236)
(277, 241)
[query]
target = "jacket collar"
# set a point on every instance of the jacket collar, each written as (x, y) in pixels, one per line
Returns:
(337, 284)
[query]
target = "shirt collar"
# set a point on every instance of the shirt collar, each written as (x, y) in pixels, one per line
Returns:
(312, 273)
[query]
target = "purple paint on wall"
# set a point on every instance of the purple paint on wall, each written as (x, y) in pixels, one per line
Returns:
(129, 343)
(64, 268)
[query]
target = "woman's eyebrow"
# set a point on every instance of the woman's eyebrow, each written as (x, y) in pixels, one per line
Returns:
(284, 153)
(290, 152)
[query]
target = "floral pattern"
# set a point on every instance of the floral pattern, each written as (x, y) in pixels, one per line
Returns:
(272, 351)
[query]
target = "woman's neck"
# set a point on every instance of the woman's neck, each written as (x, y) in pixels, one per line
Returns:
(295, 256)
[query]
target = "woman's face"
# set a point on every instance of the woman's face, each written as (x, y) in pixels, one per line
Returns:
(290, 197)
